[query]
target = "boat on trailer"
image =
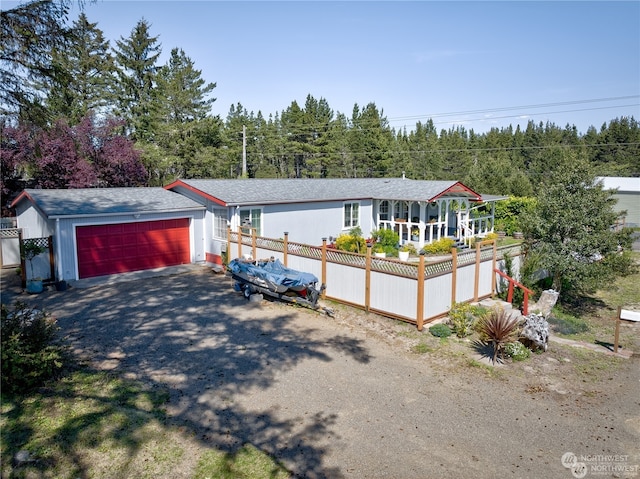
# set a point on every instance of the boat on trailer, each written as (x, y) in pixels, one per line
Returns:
(270, 277)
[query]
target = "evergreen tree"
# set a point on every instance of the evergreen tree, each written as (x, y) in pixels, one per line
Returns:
(136, 58)
(84, 74)
(28, 34)
(184, 93)
(569, 230)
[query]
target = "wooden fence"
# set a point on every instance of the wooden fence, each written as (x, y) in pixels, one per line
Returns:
(417, 291)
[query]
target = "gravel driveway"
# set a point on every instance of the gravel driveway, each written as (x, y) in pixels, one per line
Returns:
(329, 398)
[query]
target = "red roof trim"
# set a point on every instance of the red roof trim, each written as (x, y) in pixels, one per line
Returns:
(20, 197)
(458, 188)
(196, 191)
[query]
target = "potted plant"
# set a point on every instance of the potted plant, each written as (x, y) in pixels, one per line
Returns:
(405, 250)
(378, 250)
(31, 249)
(415, 234)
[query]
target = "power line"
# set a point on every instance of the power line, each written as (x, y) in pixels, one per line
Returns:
(320, 155)
(510, 108)
(531, 114)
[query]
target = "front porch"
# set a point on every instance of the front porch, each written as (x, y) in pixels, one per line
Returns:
(423, 222)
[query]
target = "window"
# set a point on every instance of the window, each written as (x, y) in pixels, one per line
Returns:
(219, 223)
(384, 210)
(401, 211)
(351, 215)
(252, 218)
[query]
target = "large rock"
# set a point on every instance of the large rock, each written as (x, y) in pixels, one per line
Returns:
(545, 303)
(535, 332)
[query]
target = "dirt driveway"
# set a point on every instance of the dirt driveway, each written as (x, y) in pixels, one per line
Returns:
(344, 397)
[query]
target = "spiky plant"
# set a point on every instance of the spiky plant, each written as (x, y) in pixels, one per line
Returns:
(499, 328)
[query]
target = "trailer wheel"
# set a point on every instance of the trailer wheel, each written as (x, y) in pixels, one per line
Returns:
(256, 298)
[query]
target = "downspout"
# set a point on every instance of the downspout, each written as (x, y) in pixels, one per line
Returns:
(58, 252)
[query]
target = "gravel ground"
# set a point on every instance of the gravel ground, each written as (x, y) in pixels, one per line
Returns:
(345, 397)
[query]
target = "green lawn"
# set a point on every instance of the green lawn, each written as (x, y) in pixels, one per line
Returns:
(95, 425)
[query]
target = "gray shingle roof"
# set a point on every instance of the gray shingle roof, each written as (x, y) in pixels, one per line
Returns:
(105, 201)
(266, 191)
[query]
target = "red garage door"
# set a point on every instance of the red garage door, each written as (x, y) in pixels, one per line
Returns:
(111, 249)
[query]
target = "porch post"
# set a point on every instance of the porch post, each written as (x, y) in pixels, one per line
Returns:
(493, 216)
(423, 222)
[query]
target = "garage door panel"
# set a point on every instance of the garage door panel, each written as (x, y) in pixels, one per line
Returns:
(119, 248)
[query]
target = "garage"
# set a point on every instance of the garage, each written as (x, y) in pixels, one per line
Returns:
(120, 248)
(109, 231)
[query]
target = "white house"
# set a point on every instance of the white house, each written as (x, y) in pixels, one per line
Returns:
(102, 231)
(313, 209)
(627, 193)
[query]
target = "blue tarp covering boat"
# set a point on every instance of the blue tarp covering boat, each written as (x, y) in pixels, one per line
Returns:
(274, 279)
(274, 272)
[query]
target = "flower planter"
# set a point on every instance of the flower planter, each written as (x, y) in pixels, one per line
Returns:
(35, 286)
(518, 235)
(380, 255)
(403, 255)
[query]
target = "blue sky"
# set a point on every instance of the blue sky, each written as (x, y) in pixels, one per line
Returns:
(414, 60)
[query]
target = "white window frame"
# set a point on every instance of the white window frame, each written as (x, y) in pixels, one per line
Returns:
(349, 219)
(255, 214)
(220, 223)
(384, 210)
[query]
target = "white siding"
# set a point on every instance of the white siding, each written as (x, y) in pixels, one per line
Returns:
(310, 222)
(33, 224)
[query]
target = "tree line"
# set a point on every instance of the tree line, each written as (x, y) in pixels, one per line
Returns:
(78, 111)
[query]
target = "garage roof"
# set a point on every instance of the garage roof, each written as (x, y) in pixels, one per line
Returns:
(276, 191)
(105, 201)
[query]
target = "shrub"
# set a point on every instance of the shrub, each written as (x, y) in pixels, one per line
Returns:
(29, 354)
(352, 241)
(463, 318)
(491, 236)
(386, 237)
(441, 246)
(509, 212)
(517, 351)
(499, 328)
(386, 241)
(440, 330)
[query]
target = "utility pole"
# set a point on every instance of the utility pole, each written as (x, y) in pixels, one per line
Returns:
(244, 151)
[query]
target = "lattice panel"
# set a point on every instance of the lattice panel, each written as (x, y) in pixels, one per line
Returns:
(467, 257)
(268, 243)
(343, 257)
(394, 267)
(41, 242)
(433, 269)
(10, 233)
(486, 254)
(508, 250)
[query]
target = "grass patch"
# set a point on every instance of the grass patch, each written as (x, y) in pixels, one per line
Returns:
(94, 424)
(488, 370)
(591, 365)
(422, 348)
(246, 463)
(567, 324)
